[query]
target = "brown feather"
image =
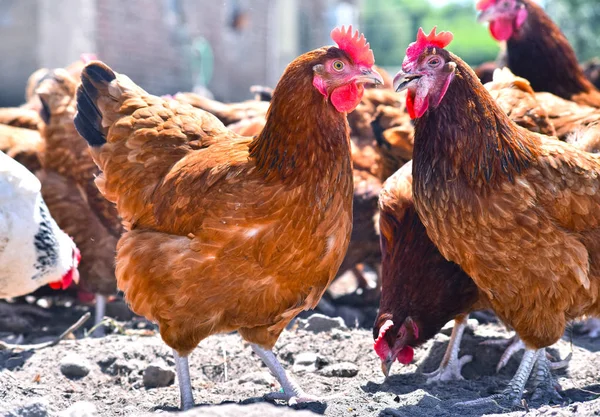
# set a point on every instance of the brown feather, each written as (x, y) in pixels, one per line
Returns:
(519, 212)
(226, 233)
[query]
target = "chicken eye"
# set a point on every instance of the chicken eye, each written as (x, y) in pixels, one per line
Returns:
(434, 62)
(338, 65)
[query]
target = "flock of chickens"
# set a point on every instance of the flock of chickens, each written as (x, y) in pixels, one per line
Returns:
(237, 217)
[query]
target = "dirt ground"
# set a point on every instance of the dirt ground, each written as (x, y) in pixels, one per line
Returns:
(224, 370)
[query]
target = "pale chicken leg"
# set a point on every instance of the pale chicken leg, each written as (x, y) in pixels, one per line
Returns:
(185, 384)
(292, 392)
(451, 365)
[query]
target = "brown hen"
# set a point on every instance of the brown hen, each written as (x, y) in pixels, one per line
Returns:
(518, 211)
(69, 190)
(537, 50)
(225, 232)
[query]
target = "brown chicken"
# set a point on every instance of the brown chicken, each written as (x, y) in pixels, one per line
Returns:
(567, 116)
(420, 290)
(28, 115)
(518, 211)
(394, 133)
(226, 232)
(23, 145)
(69, 190)
(515, 96)
(537, 50)
(228, 113)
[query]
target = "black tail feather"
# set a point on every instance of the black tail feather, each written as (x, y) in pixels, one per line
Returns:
(378, 131)
(88, 120)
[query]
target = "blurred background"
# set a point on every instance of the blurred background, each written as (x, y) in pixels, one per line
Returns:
(226, 46)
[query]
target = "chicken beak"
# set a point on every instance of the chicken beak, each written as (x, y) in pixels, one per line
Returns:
(368, 76)
(485, 15)
(386, 365)
(403, 79)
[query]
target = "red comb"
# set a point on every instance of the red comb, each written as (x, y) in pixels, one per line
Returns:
(484, 4)
(354, 44)
(440, 40)
(381, 348)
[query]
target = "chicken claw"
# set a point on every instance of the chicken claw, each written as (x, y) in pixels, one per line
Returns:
(544, 383)
(292, 392)
(451, 366)
(515, 344)
(513, 393)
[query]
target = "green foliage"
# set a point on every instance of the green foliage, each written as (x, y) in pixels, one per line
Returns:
(390, 25)
(579, 20)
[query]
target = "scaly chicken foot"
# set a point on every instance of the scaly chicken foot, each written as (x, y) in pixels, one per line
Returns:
(544, 384)
(515, 344)
(513, 393)
(292, 392)
(451, 365)
(185, 384)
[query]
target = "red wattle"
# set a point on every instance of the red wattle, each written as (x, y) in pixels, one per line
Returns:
(410, 104)
(346, 98)
(501, 29)
(416, 108)
(406, 355)
(55, 285)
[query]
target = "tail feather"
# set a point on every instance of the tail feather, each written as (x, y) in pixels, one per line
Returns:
(95, 78)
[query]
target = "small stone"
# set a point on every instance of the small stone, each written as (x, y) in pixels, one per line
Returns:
(74, 366)
(35, 408)
(318, 323)
(305, 362)
(158, 375)
(342, 370)
(80, 409)
(106, 360)
(258, 378)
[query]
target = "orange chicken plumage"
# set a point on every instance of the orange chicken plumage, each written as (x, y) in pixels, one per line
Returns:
(68, 187)
(226, 232)
(518, 211)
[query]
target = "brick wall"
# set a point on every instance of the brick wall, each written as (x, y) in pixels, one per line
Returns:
(135, 38)
(18, 48)
(150, 40)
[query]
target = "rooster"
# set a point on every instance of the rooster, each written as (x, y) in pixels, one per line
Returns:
(518, 211)
(33, 250)
(537, 50)
(226, 232)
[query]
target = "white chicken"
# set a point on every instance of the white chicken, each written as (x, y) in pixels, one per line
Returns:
(33, 249)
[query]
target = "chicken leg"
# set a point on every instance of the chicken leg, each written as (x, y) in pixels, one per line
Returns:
(185, 384)
(513, 393)
(451, 365)
(100, 311)
(515, 344)
(292, 392)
